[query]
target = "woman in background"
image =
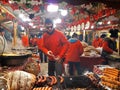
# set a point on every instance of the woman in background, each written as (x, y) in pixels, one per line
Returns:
(73, 54)
(3, 42)
(110, 44)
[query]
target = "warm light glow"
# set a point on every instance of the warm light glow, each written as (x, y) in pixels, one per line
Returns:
(41, 29)
(86, 27)
(22, 28)
(58, 20)
(54, 25)
(64, 12)
(108, 22)
(118, 34)
(92, 27)
(31, 24)
(21, 15)
(34, 26)
(24, 19)
(52, 8)
(100, 23)
(10, 1)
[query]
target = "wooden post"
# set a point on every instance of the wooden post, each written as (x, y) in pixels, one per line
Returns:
(119, 44)
(14, 33)
(84, 34)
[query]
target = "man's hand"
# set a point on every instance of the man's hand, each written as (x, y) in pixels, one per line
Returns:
(57, 58)
(50, 53)
(115, 53)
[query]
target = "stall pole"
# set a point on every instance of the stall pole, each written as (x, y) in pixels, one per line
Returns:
(119, 44)
(14, 33)
(84, 34)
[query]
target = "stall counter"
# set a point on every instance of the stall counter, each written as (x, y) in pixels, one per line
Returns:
(88, 62)
(114, 61)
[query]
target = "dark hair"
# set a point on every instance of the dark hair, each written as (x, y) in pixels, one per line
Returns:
(114, 33)
(74, 35)
(103, 36)
(48, 21)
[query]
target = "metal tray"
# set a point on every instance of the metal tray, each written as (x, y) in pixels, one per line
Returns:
(13, 60)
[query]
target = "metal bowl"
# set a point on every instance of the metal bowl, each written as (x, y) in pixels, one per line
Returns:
(13, 60)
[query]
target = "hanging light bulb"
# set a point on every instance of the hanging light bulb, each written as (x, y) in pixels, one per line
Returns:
(64, 12)
(52, 8)
(92, 27)
(22, 28)
(21, 15)
(108, 22)
(31, 24)
(58, 20)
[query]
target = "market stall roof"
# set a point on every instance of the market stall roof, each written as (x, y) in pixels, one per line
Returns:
(110, 3)
(37, 11)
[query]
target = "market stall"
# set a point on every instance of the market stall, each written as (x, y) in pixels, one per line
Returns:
(114, 61)
(20, 68)
(88, 62)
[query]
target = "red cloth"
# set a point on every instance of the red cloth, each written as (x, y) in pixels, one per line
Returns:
(96, 42)
(101, 41)
(56, 42)
(39, 42)
(89, 62)
(25, 41)
(34, 41)
(74, 52)
(106, 47)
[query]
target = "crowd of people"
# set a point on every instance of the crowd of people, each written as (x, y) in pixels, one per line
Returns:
(56, 49)
(59, 48)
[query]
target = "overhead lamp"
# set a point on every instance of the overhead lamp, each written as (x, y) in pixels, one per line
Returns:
(10, 1)
(52, 8)
(108, 22)
(21, 15)
(100, 23)
(92, 27)
(58, 20)
(31, 24)
(22, 28)
(64, 12)
(34, 26)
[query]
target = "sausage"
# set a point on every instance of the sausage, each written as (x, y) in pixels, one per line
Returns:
(51, 82)
(50, 88)
(61, 79)
(55, 80)
(43, 79)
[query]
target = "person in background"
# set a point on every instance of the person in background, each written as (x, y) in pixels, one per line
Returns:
(101, 41)
(43, 57)
(25, 40)
(68, 36)
(54, 45)
(73, 54)
(31, 40)
(96, 42)
(81, 35)
(3, 41)
(34, 40)
(110, 44)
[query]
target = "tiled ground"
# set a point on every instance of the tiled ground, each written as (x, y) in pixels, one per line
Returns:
(44, 69)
